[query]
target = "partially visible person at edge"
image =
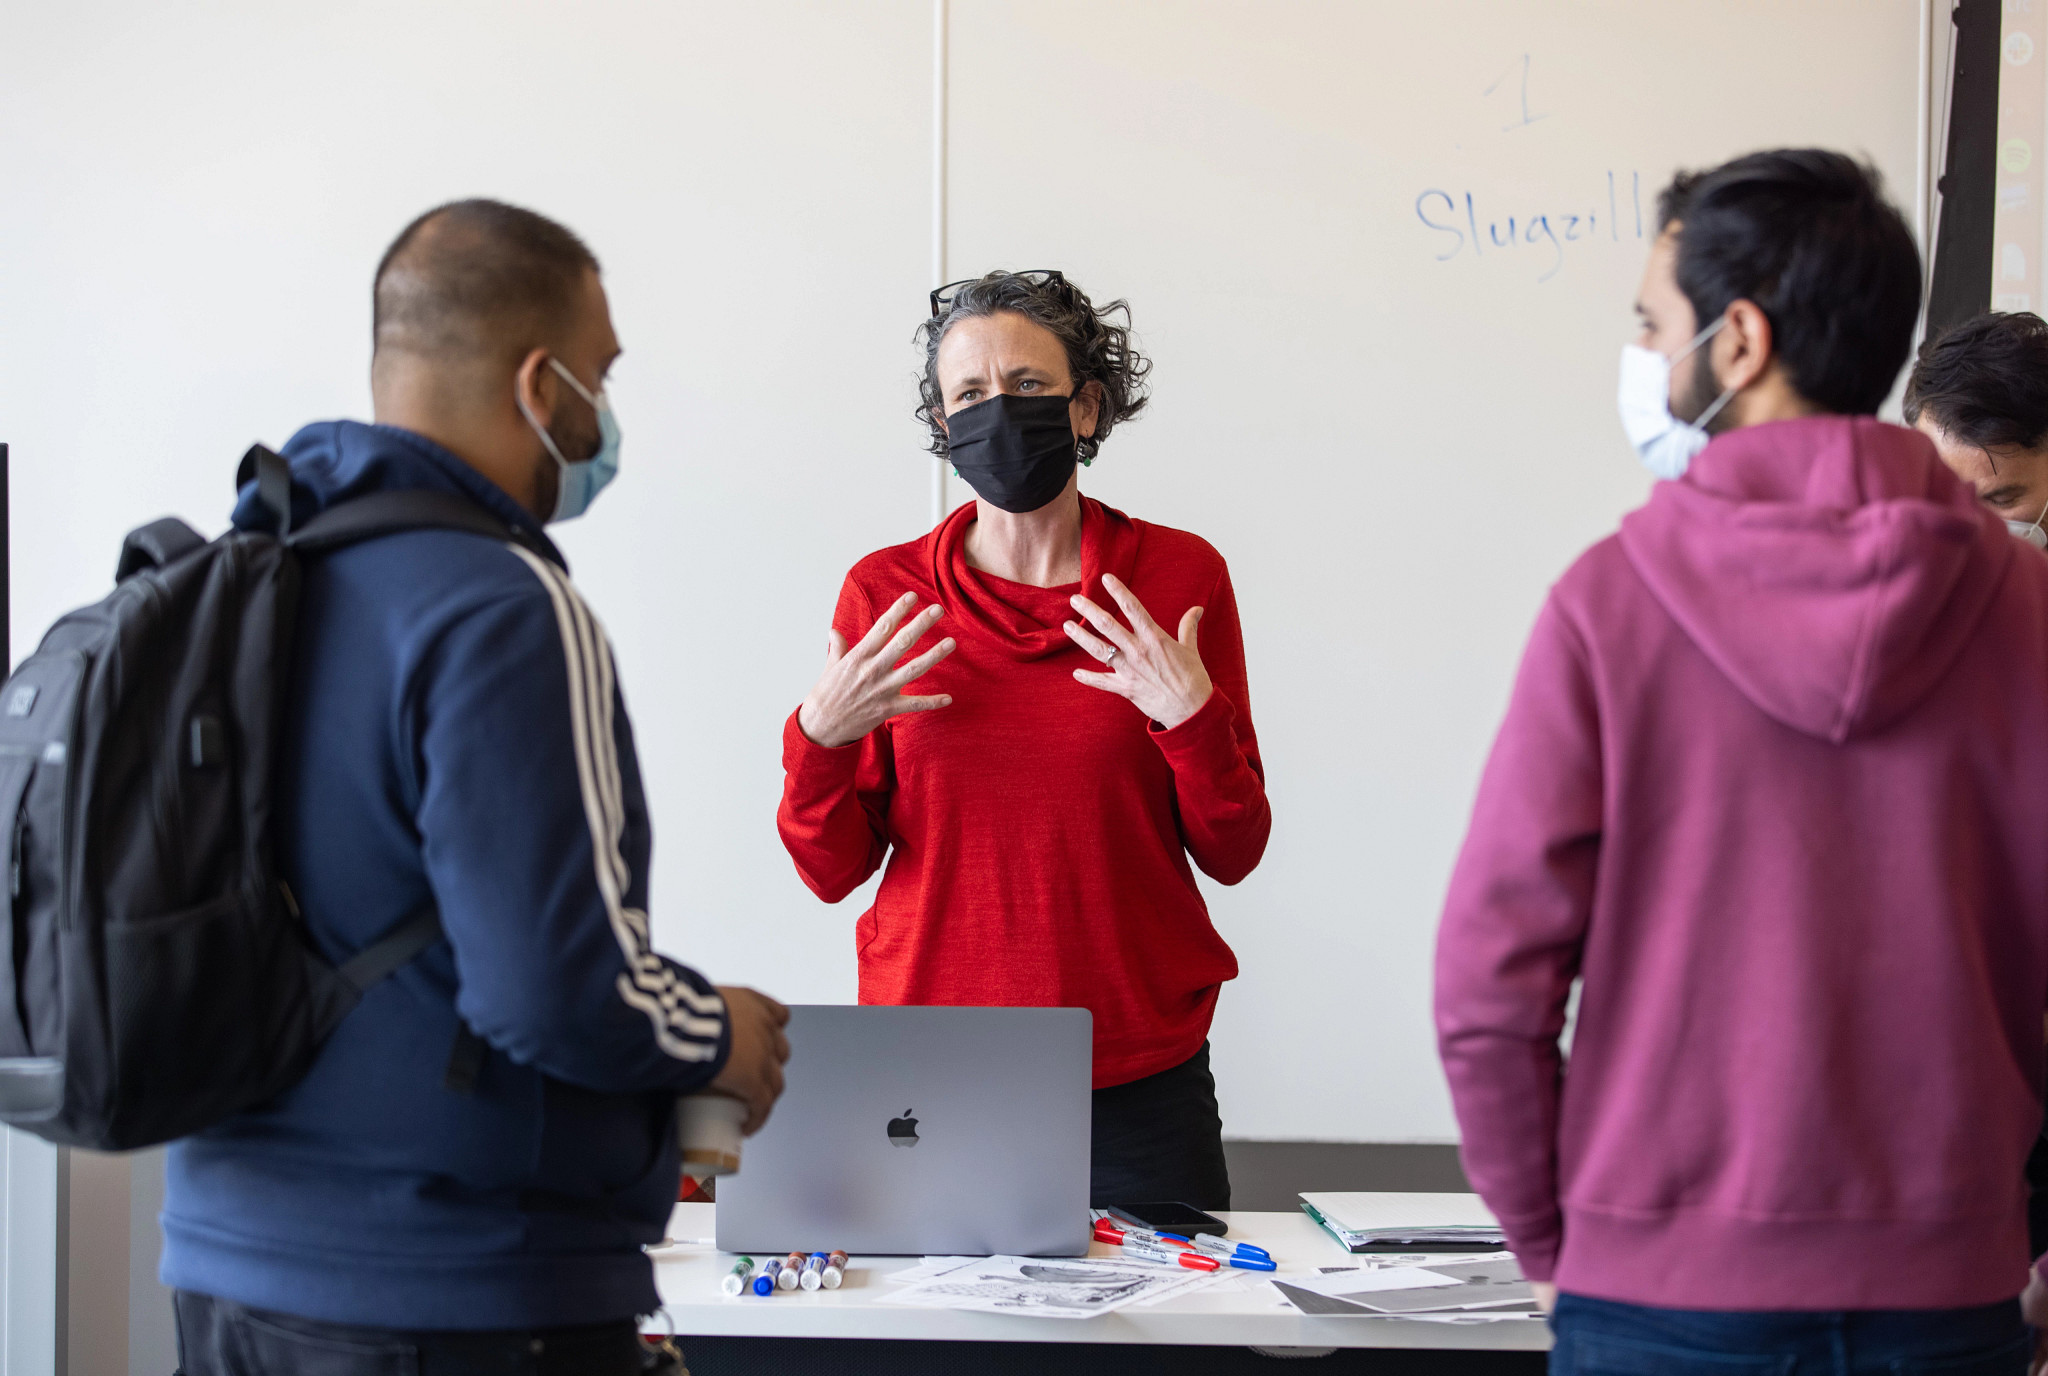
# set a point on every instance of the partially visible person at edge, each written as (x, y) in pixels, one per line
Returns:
(1079, 733)
(1979, 390)
(1770, 786)
(456, 735)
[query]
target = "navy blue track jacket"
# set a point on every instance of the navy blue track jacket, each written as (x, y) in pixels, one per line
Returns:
(455, 733)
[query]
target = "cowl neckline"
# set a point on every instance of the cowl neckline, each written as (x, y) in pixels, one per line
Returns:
(975, 606)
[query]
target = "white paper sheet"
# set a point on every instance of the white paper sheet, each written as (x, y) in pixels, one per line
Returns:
(928, 1268)
(1341, 1282)
(1055, 1288)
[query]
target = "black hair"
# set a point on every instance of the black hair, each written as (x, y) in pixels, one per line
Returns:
(1807, 235)
(1985, 381)
(1098, 348)
(478, 278)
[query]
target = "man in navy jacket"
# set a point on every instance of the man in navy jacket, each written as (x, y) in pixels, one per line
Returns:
(465, 1179)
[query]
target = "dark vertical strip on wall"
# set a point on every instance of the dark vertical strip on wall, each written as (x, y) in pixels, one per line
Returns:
(6, 572)
(1962, 247)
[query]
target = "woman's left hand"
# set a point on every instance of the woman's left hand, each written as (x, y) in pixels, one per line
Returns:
(2034, 1310)
(1161, 675)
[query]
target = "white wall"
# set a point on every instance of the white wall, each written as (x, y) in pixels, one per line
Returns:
(197, 197)
(1398, 443)
(1396, 453)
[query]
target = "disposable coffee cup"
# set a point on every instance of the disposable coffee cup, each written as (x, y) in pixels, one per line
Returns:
(708, 1129)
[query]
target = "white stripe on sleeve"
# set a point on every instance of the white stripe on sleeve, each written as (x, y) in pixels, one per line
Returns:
(687, 1024)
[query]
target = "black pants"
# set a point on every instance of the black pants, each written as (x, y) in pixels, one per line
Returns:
(221, 1338)
(1161, 1138)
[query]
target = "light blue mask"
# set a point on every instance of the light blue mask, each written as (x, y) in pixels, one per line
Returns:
(580, 482)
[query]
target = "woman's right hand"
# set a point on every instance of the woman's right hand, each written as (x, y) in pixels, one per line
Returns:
(863, 687)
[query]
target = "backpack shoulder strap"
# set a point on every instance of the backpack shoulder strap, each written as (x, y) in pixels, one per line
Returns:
(373, 514)
(393, 949)
(387, 513)
(383, 956)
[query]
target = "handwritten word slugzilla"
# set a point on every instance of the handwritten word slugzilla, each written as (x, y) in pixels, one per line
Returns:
(1464, 222)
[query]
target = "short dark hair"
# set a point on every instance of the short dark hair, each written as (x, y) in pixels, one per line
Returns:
(1808, 235)
(479, 279)
(1985, 381)
(1099, 349)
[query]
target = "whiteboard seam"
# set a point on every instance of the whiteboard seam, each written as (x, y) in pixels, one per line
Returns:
(1923, 194)
(939, 56)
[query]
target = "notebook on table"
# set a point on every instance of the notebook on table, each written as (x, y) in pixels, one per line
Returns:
(1368, 1223)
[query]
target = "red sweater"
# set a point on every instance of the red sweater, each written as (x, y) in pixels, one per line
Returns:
(1041, 828)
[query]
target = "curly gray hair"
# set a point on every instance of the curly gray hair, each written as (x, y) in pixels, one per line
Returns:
(1099, 350)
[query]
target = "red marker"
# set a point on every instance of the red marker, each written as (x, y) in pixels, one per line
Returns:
(1108, 1232)
(1170, 1256)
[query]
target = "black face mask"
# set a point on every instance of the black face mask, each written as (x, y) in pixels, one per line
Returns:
(1015, 452)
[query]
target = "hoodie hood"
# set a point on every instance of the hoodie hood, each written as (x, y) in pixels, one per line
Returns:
(336, 460)
(1830, 566)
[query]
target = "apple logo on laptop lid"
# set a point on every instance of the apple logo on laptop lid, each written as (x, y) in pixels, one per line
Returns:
(903, 1131)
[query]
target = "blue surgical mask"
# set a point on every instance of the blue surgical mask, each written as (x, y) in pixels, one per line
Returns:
(1665, 444)
(580, 482)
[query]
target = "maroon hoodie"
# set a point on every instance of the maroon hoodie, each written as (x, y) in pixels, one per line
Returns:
(1774, 781)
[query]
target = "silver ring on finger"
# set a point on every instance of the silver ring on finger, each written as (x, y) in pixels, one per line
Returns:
(1110, 658)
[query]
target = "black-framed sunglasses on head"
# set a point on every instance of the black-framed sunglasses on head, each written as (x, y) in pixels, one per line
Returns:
(942, 299)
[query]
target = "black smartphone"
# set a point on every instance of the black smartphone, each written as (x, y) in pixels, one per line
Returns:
(1169, 1216)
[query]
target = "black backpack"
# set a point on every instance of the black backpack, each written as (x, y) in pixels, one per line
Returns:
(157, 972)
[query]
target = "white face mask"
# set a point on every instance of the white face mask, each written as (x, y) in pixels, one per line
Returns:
(1663, 442)
(2031, 531)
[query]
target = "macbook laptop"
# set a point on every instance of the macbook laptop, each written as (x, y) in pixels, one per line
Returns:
(922, 1131)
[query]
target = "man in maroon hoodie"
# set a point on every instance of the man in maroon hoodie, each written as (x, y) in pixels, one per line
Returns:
(1773, 783)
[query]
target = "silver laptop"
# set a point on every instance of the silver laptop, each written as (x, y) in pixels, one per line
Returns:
(922, 1131)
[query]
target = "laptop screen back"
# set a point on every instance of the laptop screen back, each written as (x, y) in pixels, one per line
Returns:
(921, 1131)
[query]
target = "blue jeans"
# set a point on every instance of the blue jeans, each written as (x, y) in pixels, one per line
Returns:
(1602, 1338)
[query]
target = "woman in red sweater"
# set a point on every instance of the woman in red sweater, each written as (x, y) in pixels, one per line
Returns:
(1065, 755)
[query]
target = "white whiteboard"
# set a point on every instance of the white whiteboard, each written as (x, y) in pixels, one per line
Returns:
(1397, 427)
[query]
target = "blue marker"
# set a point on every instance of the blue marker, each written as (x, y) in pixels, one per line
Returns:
(1223, 1246)
(1242, 1255)
(764, 1284)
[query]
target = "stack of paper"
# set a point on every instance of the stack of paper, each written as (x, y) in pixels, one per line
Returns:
(1358, 1234)
(1476, 1237)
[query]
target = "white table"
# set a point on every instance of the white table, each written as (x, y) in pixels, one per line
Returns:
(1243, 1311)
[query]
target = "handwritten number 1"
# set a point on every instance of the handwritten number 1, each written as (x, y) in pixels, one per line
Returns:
(1527, 118)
